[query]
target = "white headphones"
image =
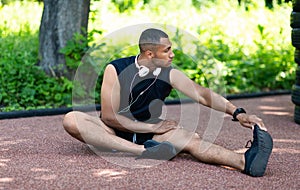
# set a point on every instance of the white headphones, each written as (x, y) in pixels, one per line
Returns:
(143, 70)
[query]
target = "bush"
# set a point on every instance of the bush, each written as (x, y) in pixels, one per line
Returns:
(23, 84)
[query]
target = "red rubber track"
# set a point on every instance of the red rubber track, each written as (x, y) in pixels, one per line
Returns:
(36, 153)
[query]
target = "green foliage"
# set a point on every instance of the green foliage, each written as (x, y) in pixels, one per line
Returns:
(237, 50)
(77, 47)
(6, 2)
(269, 66)
(23, 85)
(74, 50)
(124, 5)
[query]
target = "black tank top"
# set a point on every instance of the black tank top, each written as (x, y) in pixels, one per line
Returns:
(146, 107)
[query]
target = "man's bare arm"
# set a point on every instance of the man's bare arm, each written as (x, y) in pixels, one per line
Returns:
(209, 98)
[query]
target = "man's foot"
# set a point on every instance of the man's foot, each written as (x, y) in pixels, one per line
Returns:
(257, 156)
(151, 143)
(161, 151)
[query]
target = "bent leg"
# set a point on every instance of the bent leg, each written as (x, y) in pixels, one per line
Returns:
(93, 131)
(202, 150)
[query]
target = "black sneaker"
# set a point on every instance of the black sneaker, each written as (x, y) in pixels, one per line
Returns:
(257, 156)
(151, 143)
(162, 151)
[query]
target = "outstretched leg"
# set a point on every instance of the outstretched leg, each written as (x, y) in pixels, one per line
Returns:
(202, 150)
(93, 131)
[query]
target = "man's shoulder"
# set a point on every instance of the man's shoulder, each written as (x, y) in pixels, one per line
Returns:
(123, 60)
(121, 63)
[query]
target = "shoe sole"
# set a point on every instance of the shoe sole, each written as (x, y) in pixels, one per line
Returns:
(260, 161)
(167, 150)
(164, 151)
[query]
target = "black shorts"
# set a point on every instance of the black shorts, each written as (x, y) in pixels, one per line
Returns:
(140, 137)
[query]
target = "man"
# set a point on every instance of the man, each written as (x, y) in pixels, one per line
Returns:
(132, 93)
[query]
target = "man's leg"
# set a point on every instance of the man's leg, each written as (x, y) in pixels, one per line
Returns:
(93, 131)
(204, 151)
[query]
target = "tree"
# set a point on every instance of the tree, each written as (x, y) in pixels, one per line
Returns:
(61, 19)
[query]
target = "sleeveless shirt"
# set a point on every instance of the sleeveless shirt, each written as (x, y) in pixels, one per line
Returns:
(145, 107)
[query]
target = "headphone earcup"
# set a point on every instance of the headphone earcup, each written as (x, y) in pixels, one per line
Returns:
(156, 72)
(143, 71)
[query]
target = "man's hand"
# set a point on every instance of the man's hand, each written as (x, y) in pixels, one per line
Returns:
(250, 120)
(165, 126)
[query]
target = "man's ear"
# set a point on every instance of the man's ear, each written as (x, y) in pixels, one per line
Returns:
(149, 54)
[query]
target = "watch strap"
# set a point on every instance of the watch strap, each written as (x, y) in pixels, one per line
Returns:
(237, 112)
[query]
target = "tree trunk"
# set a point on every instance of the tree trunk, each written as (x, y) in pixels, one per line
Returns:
(60, 20)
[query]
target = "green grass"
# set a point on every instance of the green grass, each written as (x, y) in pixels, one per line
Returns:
(236, 51)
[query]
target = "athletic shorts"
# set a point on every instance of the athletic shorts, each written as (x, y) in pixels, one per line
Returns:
(137, 138)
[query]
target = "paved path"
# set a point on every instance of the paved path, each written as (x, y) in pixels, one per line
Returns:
(36, 153)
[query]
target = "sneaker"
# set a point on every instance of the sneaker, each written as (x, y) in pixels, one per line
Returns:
(257, 156)
(162, 151)
(151, 143)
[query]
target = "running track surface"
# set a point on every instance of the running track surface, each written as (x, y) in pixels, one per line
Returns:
(36, 153)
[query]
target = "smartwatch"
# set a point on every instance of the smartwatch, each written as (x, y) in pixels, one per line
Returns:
(237, 112)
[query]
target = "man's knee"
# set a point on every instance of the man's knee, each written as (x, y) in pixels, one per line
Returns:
(186, 137)
(189, 139)
(69, 122)
(189, 135)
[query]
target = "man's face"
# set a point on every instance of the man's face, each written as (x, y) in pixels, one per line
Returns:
(163, 55)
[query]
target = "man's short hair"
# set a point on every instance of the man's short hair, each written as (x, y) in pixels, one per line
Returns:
(150, 38)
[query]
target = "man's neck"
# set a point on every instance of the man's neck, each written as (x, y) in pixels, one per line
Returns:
(144, 61)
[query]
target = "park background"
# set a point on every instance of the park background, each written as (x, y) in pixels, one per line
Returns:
(248, 43)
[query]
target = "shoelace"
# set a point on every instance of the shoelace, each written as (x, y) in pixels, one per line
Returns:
(249, 142)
